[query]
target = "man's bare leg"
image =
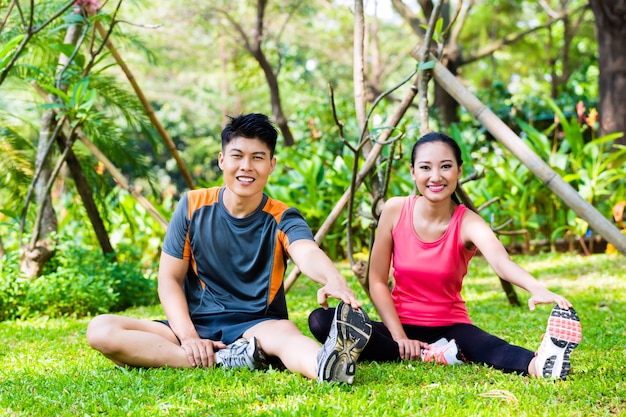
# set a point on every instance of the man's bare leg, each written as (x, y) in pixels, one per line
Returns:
(283, 339)
(133, 342)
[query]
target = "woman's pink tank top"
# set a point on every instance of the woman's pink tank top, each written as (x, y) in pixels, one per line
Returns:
(429, 275)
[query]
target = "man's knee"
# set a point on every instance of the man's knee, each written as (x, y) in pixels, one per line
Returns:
(100, 332)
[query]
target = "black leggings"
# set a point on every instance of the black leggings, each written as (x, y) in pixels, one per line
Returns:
(475, 344)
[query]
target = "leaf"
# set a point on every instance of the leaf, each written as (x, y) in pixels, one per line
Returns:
(78, 92)
(74, 19)
(499, 393)
(422, 66)
(90, 99)
(438, 30)
(573, 131)
(10, 45)
(52, 106)
(59, 93)
(66, 49)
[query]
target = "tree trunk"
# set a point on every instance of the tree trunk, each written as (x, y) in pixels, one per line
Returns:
(254, 45)
(611, 33)
(256, 49)
(85, 194)
(35, 255)
(277, 108)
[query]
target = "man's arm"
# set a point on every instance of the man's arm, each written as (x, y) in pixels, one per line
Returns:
(315, 264)
(172, 273)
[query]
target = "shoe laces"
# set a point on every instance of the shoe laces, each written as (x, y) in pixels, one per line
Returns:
(236, 355)
(436, 354)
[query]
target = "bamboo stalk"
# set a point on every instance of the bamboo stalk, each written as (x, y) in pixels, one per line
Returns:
(169, 143)
(513, 143)
(367, 166)
(116, 173)
(121, 179)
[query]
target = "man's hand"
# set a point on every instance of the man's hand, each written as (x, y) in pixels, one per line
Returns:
(201, 352)
(315, 264)
(338, 290)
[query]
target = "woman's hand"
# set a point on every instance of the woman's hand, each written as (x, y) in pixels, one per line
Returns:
(410, 349)
(541, 295)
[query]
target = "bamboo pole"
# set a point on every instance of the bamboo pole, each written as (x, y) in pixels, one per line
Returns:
(116, 173)
(513, 143)
(121, 179)
(169, 143)
(367, 166)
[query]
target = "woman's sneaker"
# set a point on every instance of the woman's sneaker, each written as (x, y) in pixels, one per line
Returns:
(242, 353)
(443, 351)
(562, 336)
(349, 334)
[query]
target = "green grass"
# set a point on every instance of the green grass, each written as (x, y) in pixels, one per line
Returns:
(47, 368)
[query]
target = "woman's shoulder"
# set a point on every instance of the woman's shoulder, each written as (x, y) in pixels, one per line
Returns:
(472, 222)
(396, 201)
(392, 208)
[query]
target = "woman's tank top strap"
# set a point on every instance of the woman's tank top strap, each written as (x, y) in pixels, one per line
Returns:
(406, 213)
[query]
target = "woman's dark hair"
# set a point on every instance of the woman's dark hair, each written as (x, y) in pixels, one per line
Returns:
(440, 137)
(251, 126)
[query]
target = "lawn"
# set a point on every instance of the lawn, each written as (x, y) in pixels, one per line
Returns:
(47, 368)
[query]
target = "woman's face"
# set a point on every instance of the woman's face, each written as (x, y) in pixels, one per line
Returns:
(435, 171)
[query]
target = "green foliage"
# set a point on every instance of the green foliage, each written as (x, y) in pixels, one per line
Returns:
(11, 292)
(87, 92)
(563, 139)
(309, 45)
(311, 177)
(591, 167)
(78, 282)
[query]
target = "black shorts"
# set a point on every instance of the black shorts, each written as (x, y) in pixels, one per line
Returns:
(225, 327)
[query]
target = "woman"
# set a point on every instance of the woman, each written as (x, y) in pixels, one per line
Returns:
(430, 238)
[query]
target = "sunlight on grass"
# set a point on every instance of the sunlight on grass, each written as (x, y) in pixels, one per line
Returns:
(47, 368)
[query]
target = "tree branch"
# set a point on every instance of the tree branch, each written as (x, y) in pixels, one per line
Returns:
(30, 32)
(238, 28)
(423, 75)
(514, 37)
(367, 166)
(6, 17)
(411, 18)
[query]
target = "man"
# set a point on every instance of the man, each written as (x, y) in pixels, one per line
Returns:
(221, 278)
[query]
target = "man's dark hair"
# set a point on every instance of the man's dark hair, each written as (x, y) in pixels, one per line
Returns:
(251, 126)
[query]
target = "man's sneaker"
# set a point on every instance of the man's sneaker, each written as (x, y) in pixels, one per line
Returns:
(242, 354)
(349, 334)
(562, 336)
(443, 351)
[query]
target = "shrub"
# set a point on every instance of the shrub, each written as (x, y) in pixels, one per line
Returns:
(77, 282)
(9, 288)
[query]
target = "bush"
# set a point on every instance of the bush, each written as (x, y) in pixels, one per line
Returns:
(9, 288)
(76, 283)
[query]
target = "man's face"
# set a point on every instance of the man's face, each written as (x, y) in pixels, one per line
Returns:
(246, 164)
